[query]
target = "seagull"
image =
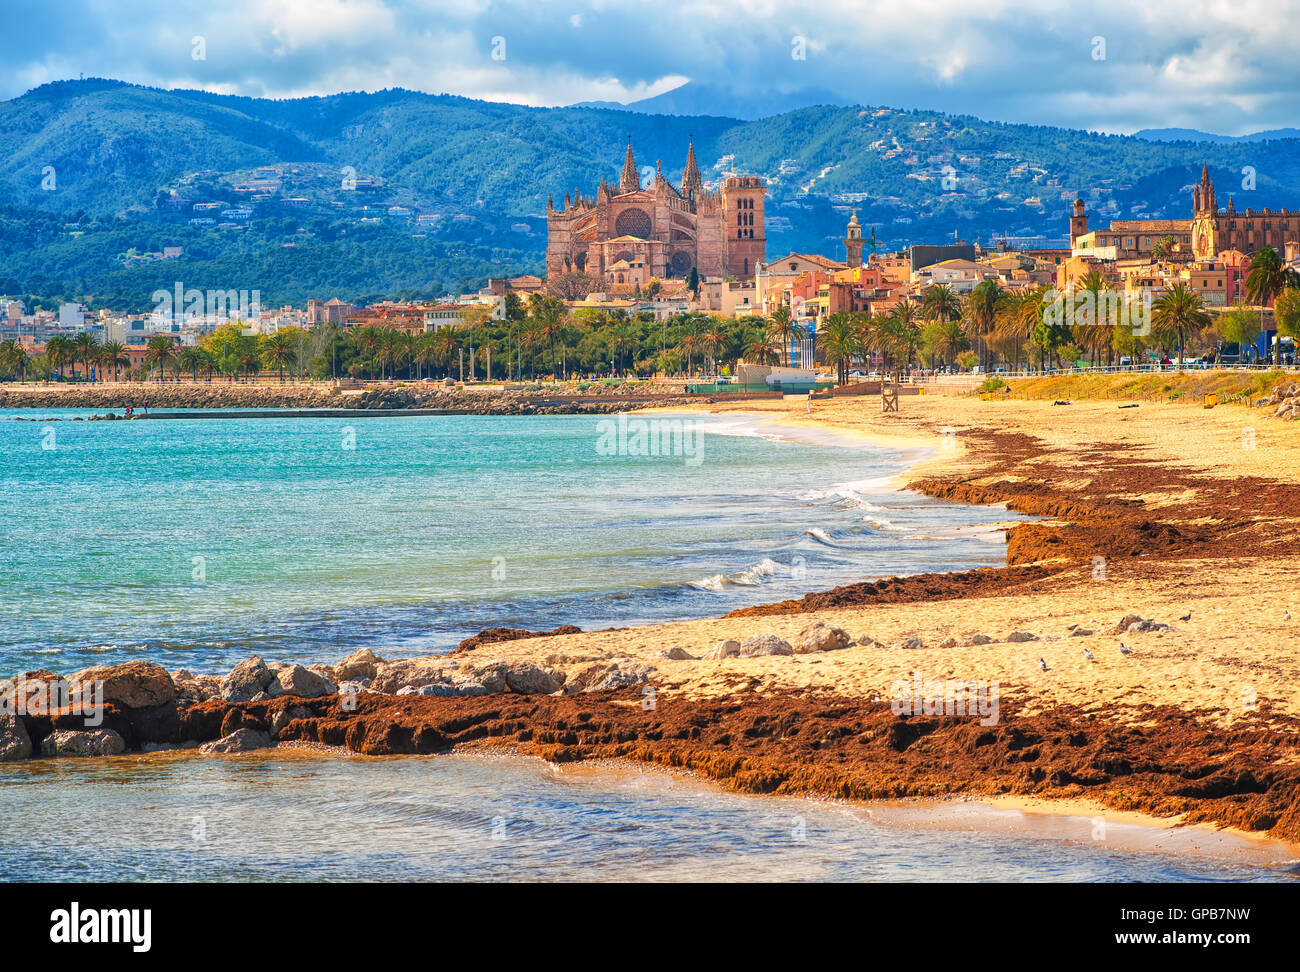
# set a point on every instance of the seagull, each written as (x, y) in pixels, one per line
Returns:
(1286, 615)
(1125, 649)
(1186, 617)
(1088, 655)
(1042, 664)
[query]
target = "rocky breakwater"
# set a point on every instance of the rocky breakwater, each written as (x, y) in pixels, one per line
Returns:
(218, 395)
(365, 702)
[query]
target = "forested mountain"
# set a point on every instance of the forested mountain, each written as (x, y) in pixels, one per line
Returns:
(407, 194)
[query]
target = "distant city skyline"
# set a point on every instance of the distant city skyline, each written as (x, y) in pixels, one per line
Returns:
(1116, 68)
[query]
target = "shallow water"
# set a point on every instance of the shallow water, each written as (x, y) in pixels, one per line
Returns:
(196, 543)
(292, 816)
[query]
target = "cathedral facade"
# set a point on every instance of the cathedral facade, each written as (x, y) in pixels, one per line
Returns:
(1215, 230)
(628, 233)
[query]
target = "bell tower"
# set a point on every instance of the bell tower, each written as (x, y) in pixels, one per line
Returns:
(853, 242)
(1078, 222)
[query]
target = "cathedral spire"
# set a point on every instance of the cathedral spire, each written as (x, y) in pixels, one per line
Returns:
(691, 174)
(630, 181)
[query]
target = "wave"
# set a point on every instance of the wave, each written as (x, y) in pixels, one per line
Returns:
(751, 576)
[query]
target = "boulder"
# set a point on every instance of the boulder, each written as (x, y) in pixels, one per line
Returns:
(762, 645)
(362, 663)
(391, 676)
(529, 679)
(1124, 622)
(910, 643)
(602, 677)
(135, 684)
(726, 648)
(239, 741)
(246, 680)
(299, 681)
(948, 643)
(326, 673)
(15, 744)
(821, 637)
(491, 675)
(95, 742)
(1016, 637)
(287, 715)
(1144, 626)
(677, 653)
(977, 639)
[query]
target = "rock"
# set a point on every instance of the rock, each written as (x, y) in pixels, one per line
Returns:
(354, 688)
(95, 742)
(1019, 636)
(239, 741)
(287, 715)
(602, 677)
(762, 645)
(977, 639)
(529, 679)
(246, 680)
(724, 649)
(135, 684)
(909, 643)
(465, 685)
(678, 653)
(491, 675)
(1082, 633)
(433, 688)
(1125, 621)
(326, 673)
(869, 641)
(391, 676)
(821, 637)
(15, 744)
(362, 663)
(1144, 626)
(948, 643)
(296, 680)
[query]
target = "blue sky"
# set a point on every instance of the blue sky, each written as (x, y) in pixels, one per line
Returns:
(1227, 66)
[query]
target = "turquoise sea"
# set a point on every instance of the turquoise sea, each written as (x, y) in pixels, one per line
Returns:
(196, 542)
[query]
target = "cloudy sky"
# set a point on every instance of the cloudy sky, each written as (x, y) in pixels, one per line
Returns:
(1228, 66)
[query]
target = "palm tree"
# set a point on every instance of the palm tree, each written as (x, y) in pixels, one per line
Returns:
(191, 359)
(1178, 314)
(1265, 279)
(941, 303)
(783, 328)
(87, 350)
(278, 352)
(982, 310)
(58, 352)
(159, 351)
(839, 342)
(112, 356)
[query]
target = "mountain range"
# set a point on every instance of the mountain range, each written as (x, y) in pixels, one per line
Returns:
(405, 194)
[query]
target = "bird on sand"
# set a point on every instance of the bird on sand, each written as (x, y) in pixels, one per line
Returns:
(1042, 664)
(1088, 655)
(1186, 617)
(1125, 649)
(1286, 615)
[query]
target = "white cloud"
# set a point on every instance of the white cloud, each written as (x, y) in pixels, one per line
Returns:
(1226, 66)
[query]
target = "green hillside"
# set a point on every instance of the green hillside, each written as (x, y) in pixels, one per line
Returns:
(95, 173)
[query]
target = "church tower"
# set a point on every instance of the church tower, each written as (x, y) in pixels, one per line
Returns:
(691, 181)
(630, 181)
(853, 242)
(1078, 222)
(1205, 211)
